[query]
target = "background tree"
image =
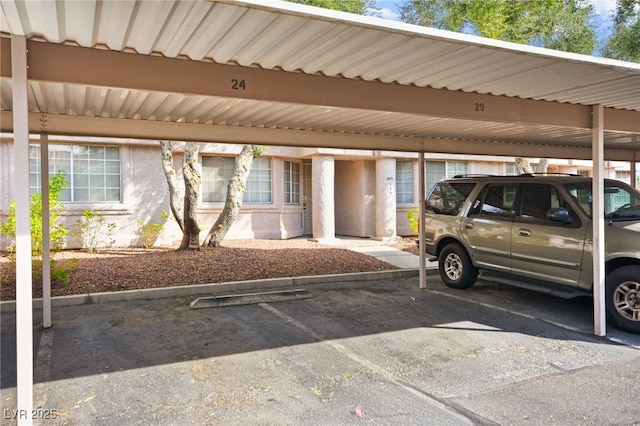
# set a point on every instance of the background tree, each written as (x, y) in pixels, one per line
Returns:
(624, 42)
(360, 7)
(567, 25)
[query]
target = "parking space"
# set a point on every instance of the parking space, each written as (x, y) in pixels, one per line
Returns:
(383, 352)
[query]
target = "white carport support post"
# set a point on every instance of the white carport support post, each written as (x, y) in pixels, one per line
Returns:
(323, 190)
(423, 259)
(46, 245)
(386, 199)
(599, 317)
(24, 314)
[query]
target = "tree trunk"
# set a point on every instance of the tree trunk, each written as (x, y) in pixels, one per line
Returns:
(175, 195)
(192, 180)
(235, 192)
(523, 166)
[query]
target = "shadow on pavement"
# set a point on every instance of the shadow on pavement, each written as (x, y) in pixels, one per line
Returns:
(95, 339)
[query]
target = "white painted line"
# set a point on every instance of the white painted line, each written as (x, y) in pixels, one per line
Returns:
(366, 363)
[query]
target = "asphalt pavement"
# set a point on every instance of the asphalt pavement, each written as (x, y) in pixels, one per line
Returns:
(375, 351)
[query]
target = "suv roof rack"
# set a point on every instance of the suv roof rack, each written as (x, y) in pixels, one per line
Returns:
(550, 174)
(486, 176)
(462, 176)
(472, 176)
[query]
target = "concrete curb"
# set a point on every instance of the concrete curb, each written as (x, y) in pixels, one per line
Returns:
(214, 288)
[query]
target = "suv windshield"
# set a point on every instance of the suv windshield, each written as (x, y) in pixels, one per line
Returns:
(620, 200)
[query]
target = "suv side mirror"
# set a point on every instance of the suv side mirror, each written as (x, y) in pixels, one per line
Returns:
(559, 214)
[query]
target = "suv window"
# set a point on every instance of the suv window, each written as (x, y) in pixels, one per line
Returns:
(496, 200)
(537, 200)
(620, 200)
(448, 197)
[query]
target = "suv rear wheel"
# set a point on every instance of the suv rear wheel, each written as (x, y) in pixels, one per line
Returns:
(455, 267)
(623, 298)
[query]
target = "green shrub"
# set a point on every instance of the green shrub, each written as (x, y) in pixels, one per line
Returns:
(57, 231)
(60, 270)
(149, 232)
(413, 216)
(93, 231)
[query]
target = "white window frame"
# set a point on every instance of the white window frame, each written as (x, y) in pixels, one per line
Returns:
(216, 183)
(258, 189)
(404, 182)
(291, 182)
(451, 168)
(108, 170)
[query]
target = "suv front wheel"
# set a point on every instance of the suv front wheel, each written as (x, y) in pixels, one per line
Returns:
(455, 267)
(623, 298)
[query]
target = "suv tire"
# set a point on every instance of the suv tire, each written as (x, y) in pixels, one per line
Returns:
(623, 298)
(455, 267)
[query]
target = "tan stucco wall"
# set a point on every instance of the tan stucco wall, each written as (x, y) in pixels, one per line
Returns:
(145, 192)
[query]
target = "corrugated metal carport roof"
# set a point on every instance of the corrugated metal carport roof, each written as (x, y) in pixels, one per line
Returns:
(283, 74)
(278, 35)
(405, 65)
(290, 39)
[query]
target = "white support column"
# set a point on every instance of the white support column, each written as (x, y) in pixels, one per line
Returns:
(386, 199)
(634, 164)
(324, 221)
(46, 243)
(599, 317)
(423, 258)
(24, 314)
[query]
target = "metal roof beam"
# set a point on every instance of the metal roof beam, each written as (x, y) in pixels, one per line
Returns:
(96, 67)
(166, 130)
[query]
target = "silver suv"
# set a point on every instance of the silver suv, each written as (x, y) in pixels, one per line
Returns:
(536, 232)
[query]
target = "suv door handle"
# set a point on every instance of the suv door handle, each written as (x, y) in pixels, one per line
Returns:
(524, 232)
(468, 225)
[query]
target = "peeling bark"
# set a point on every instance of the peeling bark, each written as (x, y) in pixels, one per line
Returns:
(175, 195)
(523, 166)
(542, 166)
(235, 192)
(192, 179)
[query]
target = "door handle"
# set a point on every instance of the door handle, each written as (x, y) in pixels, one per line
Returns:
(468, 225)
(524, 232)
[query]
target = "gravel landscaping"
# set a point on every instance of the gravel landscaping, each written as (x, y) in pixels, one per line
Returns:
(119, 269)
